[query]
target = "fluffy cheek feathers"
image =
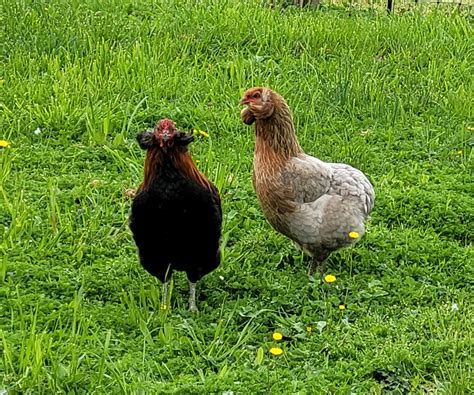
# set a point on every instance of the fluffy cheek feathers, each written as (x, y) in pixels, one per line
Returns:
(145, 139)
(247, 117)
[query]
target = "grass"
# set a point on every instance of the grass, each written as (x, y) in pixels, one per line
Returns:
(391, 95)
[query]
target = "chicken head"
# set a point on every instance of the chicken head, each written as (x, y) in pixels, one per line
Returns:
(164, 135)
(260, 105)
(164, 132)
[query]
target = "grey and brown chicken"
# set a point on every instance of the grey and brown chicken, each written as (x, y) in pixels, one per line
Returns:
(321, 206)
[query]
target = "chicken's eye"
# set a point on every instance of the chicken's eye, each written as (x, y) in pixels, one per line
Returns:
(256, 95)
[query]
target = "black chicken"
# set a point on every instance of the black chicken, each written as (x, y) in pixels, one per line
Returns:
(176, 216)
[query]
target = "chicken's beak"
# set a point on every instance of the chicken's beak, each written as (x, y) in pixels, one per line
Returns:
(243, 101)
(165, 135)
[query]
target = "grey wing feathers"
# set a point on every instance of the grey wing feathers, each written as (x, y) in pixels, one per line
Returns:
(308, 178)
(348, 181)
(332, 200)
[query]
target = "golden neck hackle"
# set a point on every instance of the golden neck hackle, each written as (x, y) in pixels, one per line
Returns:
(275, 137)
(181, 161)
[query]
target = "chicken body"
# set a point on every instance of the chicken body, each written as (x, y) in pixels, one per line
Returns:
(176, 216)
(320, 206)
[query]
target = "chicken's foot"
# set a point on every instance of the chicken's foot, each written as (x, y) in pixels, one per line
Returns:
(192, 297)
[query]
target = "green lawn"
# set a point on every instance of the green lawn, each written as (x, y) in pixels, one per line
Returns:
(391, 95)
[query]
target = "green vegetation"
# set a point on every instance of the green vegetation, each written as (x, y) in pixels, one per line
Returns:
(391, 95)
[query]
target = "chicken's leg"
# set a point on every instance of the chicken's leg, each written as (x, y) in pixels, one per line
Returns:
(192, 297)
(318, 262)
(165, 305)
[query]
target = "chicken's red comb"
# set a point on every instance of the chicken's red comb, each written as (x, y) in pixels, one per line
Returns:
(165, 124)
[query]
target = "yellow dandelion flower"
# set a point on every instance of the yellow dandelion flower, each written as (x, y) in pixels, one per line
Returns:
(199, 132)
(277, 336)
(309, 329)
(276, 351)
(329, 278)
(4, 144)
(342, 307)
(353, 235)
